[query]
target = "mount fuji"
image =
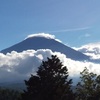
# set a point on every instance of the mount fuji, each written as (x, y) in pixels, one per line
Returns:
(21, 60)
(46, 41)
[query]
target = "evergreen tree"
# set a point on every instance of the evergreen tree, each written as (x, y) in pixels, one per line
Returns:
(50, 83)
(89, 87)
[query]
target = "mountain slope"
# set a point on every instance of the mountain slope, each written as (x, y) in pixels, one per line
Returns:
(46, 43)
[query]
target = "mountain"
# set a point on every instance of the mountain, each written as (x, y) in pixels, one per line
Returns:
(17, 66)
(40, 42)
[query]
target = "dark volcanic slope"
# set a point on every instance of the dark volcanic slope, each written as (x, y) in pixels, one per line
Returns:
(44, 43)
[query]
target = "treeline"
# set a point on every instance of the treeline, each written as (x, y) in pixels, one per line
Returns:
(52, 82)
(9, 94)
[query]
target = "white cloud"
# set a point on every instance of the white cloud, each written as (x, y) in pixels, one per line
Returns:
(92, 49)
(18, 66)
(87, 35)
(70, 30)
(45, 35)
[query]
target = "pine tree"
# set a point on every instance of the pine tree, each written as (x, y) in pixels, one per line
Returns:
(50, 83)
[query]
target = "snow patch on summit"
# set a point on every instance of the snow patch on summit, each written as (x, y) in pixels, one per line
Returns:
(45, 35)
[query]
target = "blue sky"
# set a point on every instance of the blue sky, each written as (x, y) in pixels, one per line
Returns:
(75, 22)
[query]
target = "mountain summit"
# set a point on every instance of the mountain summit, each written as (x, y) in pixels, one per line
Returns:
(45, 41)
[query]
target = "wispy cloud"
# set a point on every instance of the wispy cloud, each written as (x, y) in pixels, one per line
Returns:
(70, 30)
(87, 35)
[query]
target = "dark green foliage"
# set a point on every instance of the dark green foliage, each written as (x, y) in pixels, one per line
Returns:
(7, 94)
(89, 87)
(50, 83)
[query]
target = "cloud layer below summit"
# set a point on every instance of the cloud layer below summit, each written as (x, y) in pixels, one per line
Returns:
(16, 66)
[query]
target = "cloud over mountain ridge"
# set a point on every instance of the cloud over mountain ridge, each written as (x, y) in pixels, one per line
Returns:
(91, 49)
(45, 35)
(39, 41)
(15, 66)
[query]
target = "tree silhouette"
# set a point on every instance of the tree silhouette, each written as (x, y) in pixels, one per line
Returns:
(50, 83)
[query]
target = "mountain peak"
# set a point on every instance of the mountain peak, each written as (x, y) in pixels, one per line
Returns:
(45, 41)
(42, 35)
(45, 35)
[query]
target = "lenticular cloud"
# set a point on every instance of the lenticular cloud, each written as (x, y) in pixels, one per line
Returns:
(16, 66)
(46, 35)
(49, 36)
